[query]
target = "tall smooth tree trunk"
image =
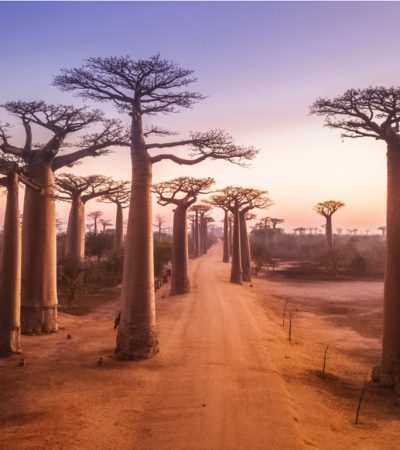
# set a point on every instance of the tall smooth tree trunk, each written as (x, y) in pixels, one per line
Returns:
(95, 224)
(10, 287)
(196, 235)
(230, 237)
(245, 248)
(328, 233)
(225, 257)
(201, 234)
(390, 367)
(179, 277)
(39, 259)
(75, 239)
(119, 229)
(192, 243)
(137, 336)
(205, 236)
(236, 269)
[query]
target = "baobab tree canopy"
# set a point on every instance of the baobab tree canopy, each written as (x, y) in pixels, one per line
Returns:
(61, 120)
(328, 207)
(372, 112)
(190, 187)
(87, 187)
(146, 87)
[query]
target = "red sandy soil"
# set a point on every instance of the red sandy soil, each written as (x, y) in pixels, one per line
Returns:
(227, 376)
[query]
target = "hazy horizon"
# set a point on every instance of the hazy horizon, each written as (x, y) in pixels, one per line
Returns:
(261, 65)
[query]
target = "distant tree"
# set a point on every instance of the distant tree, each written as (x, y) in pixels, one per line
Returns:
(79, 190)
(239, 201)
(375, 112)
(252, 199)
(339, 231)
(42, 159)
(219, 202)
(95, 215)
(201, 226)
(139, 88)
(327, 209)
(105, 223)
(382, 229)
(181, 192)
(159, 222)
(121, 200)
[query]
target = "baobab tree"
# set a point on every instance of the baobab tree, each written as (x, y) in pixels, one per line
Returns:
(219, 202)
(327, 209)
(159, 222)
(39, 289)
(105, 223)
(237, 201)
(375, 112)
(121, 200)
(252, 199)
(139, 88)
(79, 190)
(10, 264)
(199, 228)
(95, 215)
(181, 192)
(382, 229)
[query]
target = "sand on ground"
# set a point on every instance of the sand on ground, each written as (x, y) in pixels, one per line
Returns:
(227, 377)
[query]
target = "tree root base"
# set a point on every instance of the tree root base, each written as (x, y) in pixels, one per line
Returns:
(38, 320)
(135, 343)
(10, 343)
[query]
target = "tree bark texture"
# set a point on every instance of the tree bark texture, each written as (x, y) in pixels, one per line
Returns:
(119, 229)
(245, 248)
(179, 277)
(328, 231)
(196, 234)
(230, 237)
(39, 260)
(390, 367)
(10, 287)
(236, 269)
(137, 337)
(75, 239)
(225, 257)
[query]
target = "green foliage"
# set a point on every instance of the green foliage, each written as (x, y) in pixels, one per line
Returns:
(98, 244)
(162, 254)
(70, 278)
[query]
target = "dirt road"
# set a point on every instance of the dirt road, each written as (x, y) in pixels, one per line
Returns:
(213, 385)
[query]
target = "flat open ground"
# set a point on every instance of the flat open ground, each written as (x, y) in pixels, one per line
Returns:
(227, 376)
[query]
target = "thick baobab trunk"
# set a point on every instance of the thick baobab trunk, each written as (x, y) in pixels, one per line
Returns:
(236, 270)
(196, 235)
(225, 257)
(137, 337)
(390, 368)
(328, 233)
(205, 235)
(39, 259)
(230, 236)
(192, 244)
(10, 293)
(75, 240)
(119, 229)
(245, 248)
(179, 276)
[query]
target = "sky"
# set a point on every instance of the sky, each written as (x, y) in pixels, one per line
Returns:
(260, 66)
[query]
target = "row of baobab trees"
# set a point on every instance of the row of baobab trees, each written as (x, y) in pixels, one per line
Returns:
(139, 88)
